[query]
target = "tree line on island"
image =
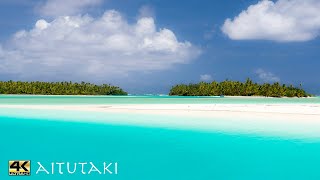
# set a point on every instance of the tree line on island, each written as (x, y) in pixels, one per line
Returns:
(237, 88)
(226, 88)
(58, 88)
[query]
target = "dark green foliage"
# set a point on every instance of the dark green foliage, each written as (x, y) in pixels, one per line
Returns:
(236, 88)
(58, 88)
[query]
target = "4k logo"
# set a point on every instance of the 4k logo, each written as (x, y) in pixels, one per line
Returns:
(19, 168)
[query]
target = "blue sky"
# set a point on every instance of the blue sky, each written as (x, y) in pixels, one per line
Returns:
(151, 45)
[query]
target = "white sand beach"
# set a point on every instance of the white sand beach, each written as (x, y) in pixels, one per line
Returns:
(289, 120)
(205, 109)
(261, 111)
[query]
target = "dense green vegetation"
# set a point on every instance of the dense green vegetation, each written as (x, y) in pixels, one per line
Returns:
(58, 88)
(236, 88)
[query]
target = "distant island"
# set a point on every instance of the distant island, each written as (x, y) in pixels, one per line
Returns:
(237, 88)
(58, 88)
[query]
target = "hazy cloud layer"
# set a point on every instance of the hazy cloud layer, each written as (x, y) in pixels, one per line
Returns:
(56, 8)
(146, 11)
(205, 77)
(266, 76)
(83, 46)
(283, 21)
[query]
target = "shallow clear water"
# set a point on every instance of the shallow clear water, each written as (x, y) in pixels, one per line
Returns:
(155, 152)
(21, 99)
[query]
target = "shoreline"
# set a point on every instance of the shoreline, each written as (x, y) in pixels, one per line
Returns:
(270, 97)
(287, 120)
(163, 95)
(201, 110)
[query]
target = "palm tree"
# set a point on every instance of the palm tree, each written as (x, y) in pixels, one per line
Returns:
(236, 88)
(58, 88)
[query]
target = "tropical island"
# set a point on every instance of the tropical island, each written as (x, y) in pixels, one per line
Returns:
(237, 88)
(58, 88)
(225, 88)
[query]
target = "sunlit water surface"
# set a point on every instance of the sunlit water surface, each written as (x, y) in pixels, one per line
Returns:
(150, 152)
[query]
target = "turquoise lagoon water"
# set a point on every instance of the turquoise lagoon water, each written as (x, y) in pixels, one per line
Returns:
(21, 99)
(150, 152)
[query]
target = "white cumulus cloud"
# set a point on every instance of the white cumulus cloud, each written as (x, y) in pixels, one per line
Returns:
(266, 76)
(83, 46)
(205, 77)
(56, 8)
(282, 21)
